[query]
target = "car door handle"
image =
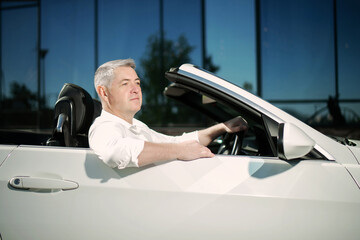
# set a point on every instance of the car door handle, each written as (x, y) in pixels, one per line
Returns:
(23, 182)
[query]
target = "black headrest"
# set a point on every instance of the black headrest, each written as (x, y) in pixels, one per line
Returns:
(74, 111)
(76, 103)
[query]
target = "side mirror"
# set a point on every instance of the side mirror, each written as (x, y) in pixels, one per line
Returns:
(293, 142)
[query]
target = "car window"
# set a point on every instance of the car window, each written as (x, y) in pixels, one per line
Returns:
(257, 141)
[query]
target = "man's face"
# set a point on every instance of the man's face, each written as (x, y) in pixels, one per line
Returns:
(124, 94)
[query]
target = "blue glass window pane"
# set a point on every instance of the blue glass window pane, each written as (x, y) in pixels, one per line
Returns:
(230, 40)
(19, 45)
(349, 48)
(183, 18)
(125, 27)
(68, 37)
(297, 49)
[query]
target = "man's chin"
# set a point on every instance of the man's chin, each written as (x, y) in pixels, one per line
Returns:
(136, 109)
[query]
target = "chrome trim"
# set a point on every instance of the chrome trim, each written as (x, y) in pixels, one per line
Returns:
(324, 152)
(60, 123)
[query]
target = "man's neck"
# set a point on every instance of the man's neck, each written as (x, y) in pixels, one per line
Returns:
(126, 117)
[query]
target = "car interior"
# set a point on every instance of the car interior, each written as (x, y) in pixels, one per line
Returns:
(258, 140)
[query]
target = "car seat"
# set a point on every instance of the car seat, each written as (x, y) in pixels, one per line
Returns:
(74, 113)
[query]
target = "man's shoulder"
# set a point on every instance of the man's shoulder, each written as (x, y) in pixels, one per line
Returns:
(103, 122)
(106, 117)
(139, 123)
(101, 119)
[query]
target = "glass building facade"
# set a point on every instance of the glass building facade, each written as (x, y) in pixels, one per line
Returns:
(296, 54)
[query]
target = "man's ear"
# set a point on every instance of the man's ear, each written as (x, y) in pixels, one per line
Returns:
(102, 92)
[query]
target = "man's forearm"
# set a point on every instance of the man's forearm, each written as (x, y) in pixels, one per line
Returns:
(206, 136)
(231, 126)
(157, 152)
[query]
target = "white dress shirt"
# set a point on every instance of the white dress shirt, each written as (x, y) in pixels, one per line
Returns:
(119, 143)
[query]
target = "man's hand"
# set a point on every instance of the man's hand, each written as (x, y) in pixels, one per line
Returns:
(207, 135)
(236, 125)
(191, 150)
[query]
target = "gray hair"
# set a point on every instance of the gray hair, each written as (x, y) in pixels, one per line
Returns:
(104, 75)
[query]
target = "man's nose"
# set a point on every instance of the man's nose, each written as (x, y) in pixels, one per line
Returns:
(135, 88)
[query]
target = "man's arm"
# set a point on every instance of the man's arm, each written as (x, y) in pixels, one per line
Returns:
(189, 150)
(207, 135)
(156, 152)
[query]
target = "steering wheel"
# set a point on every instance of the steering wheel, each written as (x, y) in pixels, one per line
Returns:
(231, 143)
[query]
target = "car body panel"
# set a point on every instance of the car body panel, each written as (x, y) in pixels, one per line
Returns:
(354, 170)
(207, 198)
(5, 151)
(356, 150)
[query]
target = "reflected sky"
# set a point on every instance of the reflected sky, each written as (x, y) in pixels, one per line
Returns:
(19, 56)
(349, 48)
(233, 48)
(297, 50)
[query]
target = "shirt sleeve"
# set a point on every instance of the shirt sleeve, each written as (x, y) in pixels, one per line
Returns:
(113, 148)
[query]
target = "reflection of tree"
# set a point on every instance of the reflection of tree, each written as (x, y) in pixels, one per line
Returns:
(175, 53)
(248, 86)
(208, 65)
(157, 108)
(21, 98)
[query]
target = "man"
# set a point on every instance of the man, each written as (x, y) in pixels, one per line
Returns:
(122, 141)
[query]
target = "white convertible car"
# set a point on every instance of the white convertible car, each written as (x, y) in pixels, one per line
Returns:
(280, 180)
